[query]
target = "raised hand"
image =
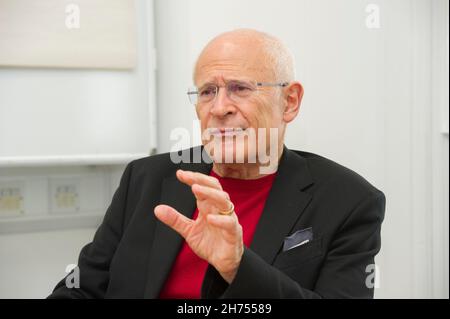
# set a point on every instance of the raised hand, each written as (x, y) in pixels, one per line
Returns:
(214, 237)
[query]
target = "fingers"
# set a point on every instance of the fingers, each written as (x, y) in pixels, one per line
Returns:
(178, 222)
(191, 178)
(206, 188)
(219, 198)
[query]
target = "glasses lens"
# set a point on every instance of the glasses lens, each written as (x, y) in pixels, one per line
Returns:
(236, 90)
(207, 93)
(240, 89)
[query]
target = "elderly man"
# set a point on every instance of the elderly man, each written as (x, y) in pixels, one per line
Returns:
(237, 226)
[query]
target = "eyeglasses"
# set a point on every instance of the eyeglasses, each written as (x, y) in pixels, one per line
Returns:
(237, 91)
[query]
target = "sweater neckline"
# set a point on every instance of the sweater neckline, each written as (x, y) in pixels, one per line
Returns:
(242, 184)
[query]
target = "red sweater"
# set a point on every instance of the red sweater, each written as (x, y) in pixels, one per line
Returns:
(249, 197)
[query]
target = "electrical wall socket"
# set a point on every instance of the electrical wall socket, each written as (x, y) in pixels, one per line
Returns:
(11, 198)
(64, 195)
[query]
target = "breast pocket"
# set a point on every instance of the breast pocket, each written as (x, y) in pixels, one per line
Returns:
(300, 254)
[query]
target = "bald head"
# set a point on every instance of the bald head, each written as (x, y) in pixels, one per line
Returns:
(258, 51)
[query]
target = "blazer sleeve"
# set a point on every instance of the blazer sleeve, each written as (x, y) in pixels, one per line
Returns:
(95, 258)
(343, 273)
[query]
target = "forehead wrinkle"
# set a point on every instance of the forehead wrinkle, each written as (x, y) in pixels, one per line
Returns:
(265, 54)
(230, 70)
(237, 59)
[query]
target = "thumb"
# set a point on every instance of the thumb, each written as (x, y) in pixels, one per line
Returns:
(172, 218)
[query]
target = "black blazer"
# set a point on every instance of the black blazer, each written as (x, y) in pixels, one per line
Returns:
(132, 252)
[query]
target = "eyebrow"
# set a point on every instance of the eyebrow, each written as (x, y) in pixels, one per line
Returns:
(226, 80)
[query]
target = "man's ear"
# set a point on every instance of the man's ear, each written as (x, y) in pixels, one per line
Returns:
(293, 99)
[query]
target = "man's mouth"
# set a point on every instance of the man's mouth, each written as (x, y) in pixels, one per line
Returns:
(227, 131)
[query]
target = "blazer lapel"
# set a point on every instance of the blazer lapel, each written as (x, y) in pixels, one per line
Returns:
(285, 204)
(283, 207)
(167, 243)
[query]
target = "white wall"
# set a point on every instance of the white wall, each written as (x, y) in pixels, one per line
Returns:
(368, 104)
(32, 263)
(46, 112)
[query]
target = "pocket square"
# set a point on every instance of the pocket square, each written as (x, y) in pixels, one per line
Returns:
(298, 238)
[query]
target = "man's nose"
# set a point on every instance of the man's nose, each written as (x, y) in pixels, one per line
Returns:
(222, 105)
